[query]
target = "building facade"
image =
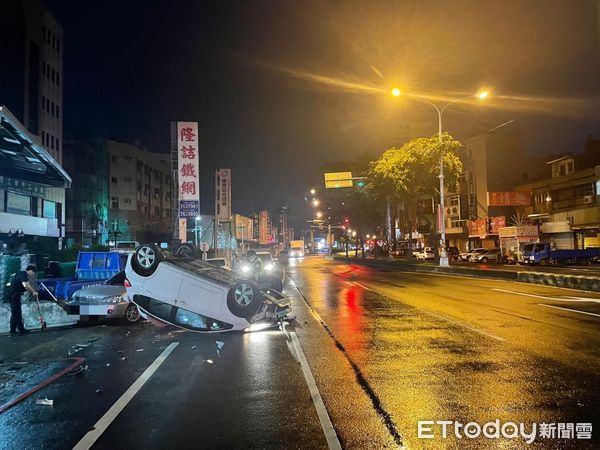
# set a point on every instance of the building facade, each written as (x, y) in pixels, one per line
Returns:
(87, 201)
(31, 76)
(140, 189)
(32, 191)
(494, 162)
(566, 205)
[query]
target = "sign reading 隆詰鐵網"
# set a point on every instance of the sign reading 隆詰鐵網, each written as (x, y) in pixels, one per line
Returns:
(187, 169)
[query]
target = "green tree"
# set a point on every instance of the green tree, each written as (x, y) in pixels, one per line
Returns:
(406, 174)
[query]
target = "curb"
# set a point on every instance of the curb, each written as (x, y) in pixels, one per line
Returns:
(579, 282)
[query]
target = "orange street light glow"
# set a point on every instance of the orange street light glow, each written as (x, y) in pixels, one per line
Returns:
(396, 92)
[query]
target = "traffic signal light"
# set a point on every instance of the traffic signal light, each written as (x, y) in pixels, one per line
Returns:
(360, 184)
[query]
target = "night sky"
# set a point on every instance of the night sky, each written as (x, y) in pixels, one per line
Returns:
(281, 87)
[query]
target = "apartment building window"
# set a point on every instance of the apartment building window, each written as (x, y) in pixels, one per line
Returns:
(57, 79)
(49, 209)
(146, 189)
(127, 201)
(113, 180)
(127, 158)
(157, 211)
(57, 144)
(128, 179)
(115, 203)
(139, 186)
(156, 193)
(52, 141)
(583, 191)
(18, 203)
(114, 158)
(57, 112)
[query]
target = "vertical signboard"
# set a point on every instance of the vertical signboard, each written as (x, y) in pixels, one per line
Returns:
(263, 227)
(187, 166)
(223, 194)
(255, 226)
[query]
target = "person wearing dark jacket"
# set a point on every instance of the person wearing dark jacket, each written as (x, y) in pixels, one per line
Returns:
(19, 284)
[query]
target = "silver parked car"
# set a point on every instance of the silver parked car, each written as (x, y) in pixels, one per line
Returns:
(491, 254)
(108, 300)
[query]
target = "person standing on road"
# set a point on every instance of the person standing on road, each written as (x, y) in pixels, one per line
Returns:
(19, 284)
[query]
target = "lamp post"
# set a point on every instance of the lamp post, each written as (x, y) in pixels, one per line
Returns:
(440, 111)
(197, 219)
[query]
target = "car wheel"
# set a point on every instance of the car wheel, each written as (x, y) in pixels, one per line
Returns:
(132, 314)
(484, 260)
(146, 259)
(186, 251)
(543, 262)
(244, 299)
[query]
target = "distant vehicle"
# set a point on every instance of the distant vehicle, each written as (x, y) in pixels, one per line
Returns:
(273, 275)
(297, 248)
(452, 253)
(284, 254)
(197, 296)
(492, 254)
(425, 254)
(108, 300)
(543, 255)
(466, 256)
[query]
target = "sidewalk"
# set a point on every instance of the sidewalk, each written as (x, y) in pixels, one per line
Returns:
(583, 282)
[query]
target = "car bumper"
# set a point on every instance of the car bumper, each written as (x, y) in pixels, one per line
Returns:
(110, 311)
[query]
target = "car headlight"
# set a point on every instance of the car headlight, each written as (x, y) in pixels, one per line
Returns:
(269, 267)
(245, 268)
(114, 299)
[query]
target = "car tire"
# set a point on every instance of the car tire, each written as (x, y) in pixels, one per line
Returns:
(543, 262)
(132, 314)
(186, 251)
(244, 299)
(484, 260)
(146, 259)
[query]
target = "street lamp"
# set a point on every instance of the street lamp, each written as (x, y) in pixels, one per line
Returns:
(319, 214)
(480, 95)
(315, 202)
(313, 191)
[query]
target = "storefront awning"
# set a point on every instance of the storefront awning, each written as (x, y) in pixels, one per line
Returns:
(23, 157)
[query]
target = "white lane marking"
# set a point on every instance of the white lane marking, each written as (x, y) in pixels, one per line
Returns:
(545, 297)
(100, 427)
(569, 309)
(326, 425)
(446, 318)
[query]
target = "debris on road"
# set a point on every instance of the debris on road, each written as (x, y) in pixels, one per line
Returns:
(98, 391)
(140, 350)
(193, 347)
(81, 345)
(123, 358)
(107, 364)
(44, 401)
(79, 370)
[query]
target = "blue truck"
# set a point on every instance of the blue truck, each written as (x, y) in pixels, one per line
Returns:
(543, 255)
(92, 268)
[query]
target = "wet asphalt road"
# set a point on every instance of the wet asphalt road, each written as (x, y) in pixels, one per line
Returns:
(386, 349)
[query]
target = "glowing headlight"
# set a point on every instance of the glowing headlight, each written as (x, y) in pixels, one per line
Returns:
(269, 267)
(245, 268)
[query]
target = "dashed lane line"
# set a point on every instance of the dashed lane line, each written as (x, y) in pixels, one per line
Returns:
(446, 318)
(93, 435)
(569, 309)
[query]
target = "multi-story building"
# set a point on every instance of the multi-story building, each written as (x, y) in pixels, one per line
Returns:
(88, 199)
(140, 192)
(566, 205)
(32, 181)
(492, 162)
(31, 76)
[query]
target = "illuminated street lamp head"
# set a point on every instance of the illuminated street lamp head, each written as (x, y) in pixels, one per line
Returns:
(374, 237)
(315, 202)
(313, 191)
(368, 236)
(396, 92)
(319, 214)
(354, 233)
(483, 94)
(198, 218)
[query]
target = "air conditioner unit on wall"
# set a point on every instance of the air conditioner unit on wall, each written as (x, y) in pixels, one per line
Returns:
(588, 199)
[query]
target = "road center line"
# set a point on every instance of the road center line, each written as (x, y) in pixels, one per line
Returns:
(545, 297)
(100, 427)
(569, 309)
(446, 318)
(326, 425)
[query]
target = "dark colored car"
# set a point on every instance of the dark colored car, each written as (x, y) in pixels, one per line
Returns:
(452, 253)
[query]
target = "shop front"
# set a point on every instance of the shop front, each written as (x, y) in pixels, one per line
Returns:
(513, 239)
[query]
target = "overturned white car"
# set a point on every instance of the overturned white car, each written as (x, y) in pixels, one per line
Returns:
(197, 296)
